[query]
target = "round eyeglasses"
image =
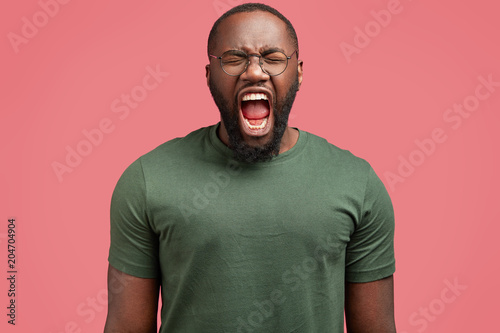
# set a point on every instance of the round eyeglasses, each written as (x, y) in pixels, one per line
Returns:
(235, 62)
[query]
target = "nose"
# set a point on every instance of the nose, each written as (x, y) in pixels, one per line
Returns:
(254, 72)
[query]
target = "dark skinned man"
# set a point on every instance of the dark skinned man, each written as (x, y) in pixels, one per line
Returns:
(250, 225)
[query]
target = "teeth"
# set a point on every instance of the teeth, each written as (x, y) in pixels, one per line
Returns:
(256, 127)
(254, 97)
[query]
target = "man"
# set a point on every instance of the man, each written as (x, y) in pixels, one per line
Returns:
(251, 225)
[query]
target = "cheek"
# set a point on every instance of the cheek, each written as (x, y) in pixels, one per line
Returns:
(225, 85)
(282, 86)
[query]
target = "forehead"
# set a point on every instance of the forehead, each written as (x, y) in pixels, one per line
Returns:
(253, 31)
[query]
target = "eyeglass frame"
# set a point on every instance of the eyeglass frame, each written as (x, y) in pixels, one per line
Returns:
(260, 61)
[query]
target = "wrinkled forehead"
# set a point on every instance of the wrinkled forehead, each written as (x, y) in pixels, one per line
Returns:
(253, 32)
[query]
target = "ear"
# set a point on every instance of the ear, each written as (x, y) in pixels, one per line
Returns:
(207, 74)
(299, 71)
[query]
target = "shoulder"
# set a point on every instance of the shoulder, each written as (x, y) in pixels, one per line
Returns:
(184, 146)
(334, 157)
(170, 155)
(177, 152)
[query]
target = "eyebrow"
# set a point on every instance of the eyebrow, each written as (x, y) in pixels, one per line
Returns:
(264, 52)
(272, 50)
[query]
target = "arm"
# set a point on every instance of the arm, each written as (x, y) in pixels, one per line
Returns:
(132, 303)
(369, 307)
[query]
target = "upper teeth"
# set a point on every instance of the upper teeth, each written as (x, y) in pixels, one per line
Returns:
(254, 97)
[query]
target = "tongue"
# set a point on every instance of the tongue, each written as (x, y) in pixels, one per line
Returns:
(255, 109)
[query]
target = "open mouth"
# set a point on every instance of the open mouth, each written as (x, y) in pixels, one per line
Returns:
(255, 111)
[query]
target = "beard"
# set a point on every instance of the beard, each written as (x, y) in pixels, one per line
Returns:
(242, 151)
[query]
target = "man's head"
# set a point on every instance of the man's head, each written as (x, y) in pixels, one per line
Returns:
(254, 105)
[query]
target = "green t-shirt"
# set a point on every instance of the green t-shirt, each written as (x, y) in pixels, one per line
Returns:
(264, 247)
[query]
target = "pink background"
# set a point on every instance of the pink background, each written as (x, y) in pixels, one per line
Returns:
(63, 79)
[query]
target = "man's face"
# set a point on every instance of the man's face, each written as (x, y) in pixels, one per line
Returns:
(255, 129)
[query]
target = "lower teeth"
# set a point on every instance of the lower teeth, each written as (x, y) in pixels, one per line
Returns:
(255, 127)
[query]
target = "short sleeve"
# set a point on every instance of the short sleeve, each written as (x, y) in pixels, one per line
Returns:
(134, 245)
(370, 251)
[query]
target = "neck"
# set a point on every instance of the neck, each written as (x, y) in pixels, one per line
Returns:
(290, 138)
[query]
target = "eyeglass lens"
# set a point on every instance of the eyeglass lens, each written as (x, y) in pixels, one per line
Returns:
(235, 62)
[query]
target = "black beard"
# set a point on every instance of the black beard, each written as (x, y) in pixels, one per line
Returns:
(242, 151)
